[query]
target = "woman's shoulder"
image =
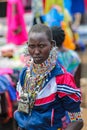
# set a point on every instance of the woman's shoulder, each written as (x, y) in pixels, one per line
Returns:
(66, 79)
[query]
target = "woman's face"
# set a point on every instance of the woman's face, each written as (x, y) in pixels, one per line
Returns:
(39, 47)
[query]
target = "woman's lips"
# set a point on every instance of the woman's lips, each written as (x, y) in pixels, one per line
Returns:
(38, 58)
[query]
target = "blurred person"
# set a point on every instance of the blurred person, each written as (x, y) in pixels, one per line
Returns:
(77, 12)
(68, 27)
(59, 18)
(16, 32)
(72, 40)
(46, 87)
(66, 24)
(66, 57)
(69, 59)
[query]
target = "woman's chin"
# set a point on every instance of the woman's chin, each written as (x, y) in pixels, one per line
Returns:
(38, 61)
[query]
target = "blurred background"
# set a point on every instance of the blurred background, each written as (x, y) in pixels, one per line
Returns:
(16, 19)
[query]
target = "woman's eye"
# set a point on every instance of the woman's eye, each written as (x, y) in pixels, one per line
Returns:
(31, 46)
(41, 46)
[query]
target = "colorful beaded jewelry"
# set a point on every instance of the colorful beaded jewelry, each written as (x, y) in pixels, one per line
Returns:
(37, 76)
(74, 116)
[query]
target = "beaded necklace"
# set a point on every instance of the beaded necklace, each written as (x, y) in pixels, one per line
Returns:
(37, 75)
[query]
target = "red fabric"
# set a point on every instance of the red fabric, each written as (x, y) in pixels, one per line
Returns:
(67, 80)
(85, 1)
(9, 108)
(45, 100)
(44, 4)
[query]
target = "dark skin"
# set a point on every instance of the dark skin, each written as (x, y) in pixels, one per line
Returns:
(39, 48)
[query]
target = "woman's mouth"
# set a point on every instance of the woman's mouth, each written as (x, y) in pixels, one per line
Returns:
(38, 60)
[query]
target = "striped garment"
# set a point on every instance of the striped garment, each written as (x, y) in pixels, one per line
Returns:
(59, 94)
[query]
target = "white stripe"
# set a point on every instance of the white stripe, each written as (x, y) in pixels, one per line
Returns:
(68, 89)
(49, 89)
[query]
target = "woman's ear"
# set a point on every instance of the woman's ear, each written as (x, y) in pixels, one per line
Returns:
(53, 43)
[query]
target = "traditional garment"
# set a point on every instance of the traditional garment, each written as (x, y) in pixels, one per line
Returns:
(48, 108)
(15, 20)
(70, 60)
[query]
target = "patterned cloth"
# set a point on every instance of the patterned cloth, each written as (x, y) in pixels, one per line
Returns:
(70, 60)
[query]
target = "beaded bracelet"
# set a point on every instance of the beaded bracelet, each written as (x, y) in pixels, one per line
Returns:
(75, 116)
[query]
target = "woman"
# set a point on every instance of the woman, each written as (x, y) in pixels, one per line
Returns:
(66, 57)
(44, 88)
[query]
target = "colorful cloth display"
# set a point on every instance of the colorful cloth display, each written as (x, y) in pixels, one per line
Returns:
(15, 22)
(72, 58)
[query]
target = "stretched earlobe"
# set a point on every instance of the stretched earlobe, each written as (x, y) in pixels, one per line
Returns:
(53, 42)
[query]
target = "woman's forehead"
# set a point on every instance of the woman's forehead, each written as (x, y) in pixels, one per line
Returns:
(38, 36)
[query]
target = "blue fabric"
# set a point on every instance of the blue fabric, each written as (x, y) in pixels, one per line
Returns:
(71, 108)
(77, 6)
(41, 117)
(53, 18)
(67, 5)
(81, 45)
(22, 76)
(12, 93)
(5, 85)
(22, 117)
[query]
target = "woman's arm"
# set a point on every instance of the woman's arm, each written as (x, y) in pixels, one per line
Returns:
(77, 76)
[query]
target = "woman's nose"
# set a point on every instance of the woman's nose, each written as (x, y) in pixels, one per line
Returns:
(37, 50)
